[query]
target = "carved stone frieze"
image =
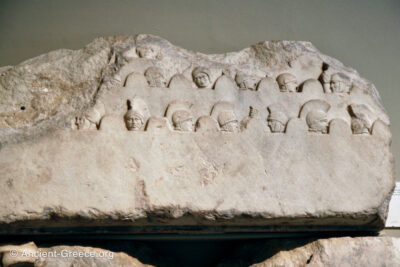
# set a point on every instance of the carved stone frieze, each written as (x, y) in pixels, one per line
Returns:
(136, 132)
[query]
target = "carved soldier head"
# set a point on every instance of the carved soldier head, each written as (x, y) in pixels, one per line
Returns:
(315, 113)
(91, 118)
(287, 82)
(155, 77)
(134, 120)
(148, 51)
(360, 118)
(340, 83)
(128, 55)
(182, 120)
(277, 121)
(227, 121)
(245, 81)
(359, 126)
(82, 123)
(317, 121)
(87, 121)
(207, 124)
(201, 77)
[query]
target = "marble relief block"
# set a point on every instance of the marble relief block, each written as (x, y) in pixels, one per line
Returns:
(137, 133)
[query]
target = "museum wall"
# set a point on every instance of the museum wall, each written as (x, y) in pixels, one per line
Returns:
(362, 34)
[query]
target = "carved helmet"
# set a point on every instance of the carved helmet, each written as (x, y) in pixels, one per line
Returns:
(93, 116)
(178, 111)
(340, 77)
(147, 49)
(95, 113)
(277, 116)
(226, 116)
(180, 116)
(285, 78)
(135, 113)
(361, 112)
(241, 78)
(276, 112)
(207, 123)
(199, 70)
(315, 116)
(137, 108)
(315, 104)
(154, 76)
(151, 71)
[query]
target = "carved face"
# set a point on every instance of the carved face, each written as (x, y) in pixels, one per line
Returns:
(287, 82)
(186, 126)
(155, 79)
(147, 52)
(358, 126)
(133, 122)
(232, 126)
(183, 121)
(289, 86)
(317, 121)
(276, 126)
(82, 123)
(248, 83)
(201, 79)
(227, 121)
(339, 85)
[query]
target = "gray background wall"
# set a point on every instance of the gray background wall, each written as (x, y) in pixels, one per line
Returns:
(363, 34)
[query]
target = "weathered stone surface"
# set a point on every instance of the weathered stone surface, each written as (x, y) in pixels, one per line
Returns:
(351, 252)
(242, 141)
(60, 256)
(296, 252)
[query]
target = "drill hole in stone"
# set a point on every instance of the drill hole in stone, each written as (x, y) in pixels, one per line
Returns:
(23, 108)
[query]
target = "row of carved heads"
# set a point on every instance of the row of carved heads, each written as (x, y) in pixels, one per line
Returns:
(223, 117)
(315, 113)
(332, 82)
(179, 116)
(287, 82)
(147, 51)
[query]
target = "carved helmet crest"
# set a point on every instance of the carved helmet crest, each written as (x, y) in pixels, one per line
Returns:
(137, 107)
(315, 104)
(277, 112)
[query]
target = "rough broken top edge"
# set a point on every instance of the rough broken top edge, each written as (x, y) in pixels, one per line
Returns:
(107, 67)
